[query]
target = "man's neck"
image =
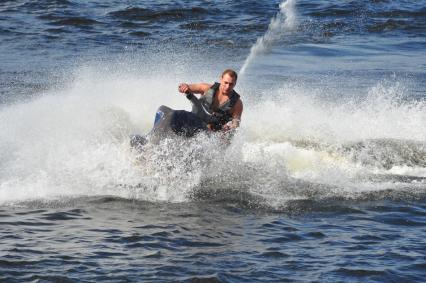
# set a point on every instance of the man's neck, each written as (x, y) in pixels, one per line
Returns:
(221, 94)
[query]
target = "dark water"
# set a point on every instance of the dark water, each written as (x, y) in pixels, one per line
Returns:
(324, 182)
(109, 239)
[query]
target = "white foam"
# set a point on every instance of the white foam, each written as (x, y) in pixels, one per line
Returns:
(408, 171)
(74, 141)
(297, 113)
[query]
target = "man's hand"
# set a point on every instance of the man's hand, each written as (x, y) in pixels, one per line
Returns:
(226, 127)
(184, 88)
(231, 125)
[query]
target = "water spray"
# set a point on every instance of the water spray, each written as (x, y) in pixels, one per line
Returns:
(284, 21)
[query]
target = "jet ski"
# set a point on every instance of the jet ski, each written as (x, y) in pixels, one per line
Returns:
(169, 122)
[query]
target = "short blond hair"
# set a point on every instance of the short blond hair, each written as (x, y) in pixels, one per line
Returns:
(231, 73)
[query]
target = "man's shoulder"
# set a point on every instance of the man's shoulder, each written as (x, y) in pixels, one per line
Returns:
(205, 86)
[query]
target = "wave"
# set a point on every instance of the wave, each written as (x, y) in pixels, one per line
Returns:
(73, 142)
(199, 25)
(144, 14)
(369, 18)
(388, 153)
(69, 20)
(392, 24)
(357, 8)
(363, 17)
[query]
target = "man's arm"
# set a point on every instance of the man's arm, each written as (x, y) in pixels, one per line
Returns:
(236, 113)
(194, 88)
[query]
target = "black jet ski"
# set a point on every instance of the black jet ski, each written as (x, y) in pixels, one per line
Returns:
(169, 122)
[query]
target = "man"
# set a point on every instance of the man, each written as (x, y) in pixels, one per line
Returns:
(221, 104)
(218, 109)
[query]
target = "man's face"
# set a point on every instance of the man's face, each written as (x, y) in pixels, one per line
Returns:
(227, 84)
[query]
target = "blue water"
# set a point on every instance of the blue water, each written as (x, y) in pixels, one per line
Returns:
(325, 180)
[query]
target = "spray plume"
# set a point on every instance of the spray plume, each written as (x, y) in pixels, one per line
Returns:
(285, 20)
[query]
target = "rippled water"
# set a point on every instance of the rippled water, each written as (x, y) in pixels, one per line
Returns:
(325, 181)
(114, 240)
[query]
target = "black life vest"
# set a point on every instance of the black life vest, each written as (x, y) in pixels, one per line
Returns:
(218, 116)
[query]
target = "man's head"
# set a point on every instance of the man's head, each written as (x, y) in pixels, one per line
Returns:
(228, 81)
